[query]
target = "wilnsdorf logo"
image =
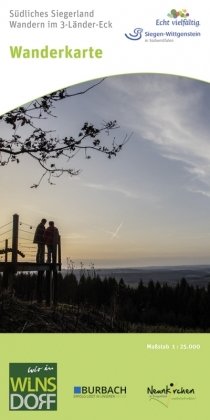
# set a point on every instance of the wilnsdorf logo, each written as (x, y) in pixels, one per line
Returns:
(33, 386)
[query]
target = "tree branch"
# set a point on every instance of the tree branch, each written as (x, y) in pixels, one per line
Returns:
(49, 151)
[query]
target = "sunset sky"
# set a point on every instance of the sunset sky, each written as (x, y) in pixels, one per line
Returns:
(148, 206)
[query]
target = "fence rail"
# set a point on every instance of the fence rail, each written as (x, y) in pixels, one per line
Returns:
(11, 249)
(20, 245)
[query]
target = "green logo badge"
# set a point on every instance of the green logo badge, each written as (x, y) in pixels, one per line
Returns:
(33, 386)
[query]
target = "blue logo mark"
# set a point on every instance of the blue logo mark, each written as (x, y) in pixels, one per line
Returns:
(137, 34)
(77, 390)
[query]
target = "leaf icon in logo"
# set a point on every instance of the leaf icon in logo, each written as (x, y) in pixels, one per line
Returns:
(137, 34)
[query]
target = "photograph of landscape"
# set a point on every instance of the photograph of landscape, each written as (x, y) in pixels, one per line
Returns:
(121, 165)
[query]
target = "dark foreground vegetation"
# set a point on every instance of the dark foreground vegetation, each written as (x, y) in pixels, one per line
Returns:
(95, 305)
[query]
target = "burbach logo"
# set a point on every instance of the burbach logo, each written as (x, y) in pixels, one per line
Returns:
(33, 386)
(164, 395)
(99, 391)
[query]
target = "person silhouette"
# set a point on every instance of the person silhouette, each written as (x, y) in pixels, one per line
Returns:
(39, 240)
(51, 238)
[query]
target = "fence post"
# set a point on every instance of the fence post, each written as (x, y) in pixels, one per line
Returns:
(59, 252)
(15, 239)
(48, 287)
(6, 251)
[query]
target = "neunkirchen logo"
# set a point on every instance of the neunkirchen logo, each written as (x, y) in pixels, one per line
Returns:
(163, 395)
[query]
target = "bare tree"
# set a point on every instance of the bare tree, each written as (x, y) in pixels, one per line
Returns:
(50, 152)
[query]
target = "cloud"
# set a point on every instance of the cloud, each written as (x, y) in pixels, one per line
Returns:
(101, 187)
(122, 191)
(170, 112)
(202, 192)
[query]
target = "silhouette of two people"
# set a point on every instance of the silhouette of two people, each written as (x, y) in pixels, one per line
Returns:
(49, 237)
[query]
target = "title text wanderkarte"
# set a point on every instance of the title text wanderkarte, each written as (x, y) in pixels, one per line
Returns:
(18, 51)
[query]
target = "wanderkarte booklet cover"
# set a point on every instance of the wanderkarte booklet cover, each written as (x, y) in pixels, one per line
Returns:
(104, 222)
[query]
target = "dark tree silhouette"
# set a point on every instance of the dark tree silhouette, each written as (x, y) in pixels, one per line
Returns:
(52, 153)
(125, 308)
